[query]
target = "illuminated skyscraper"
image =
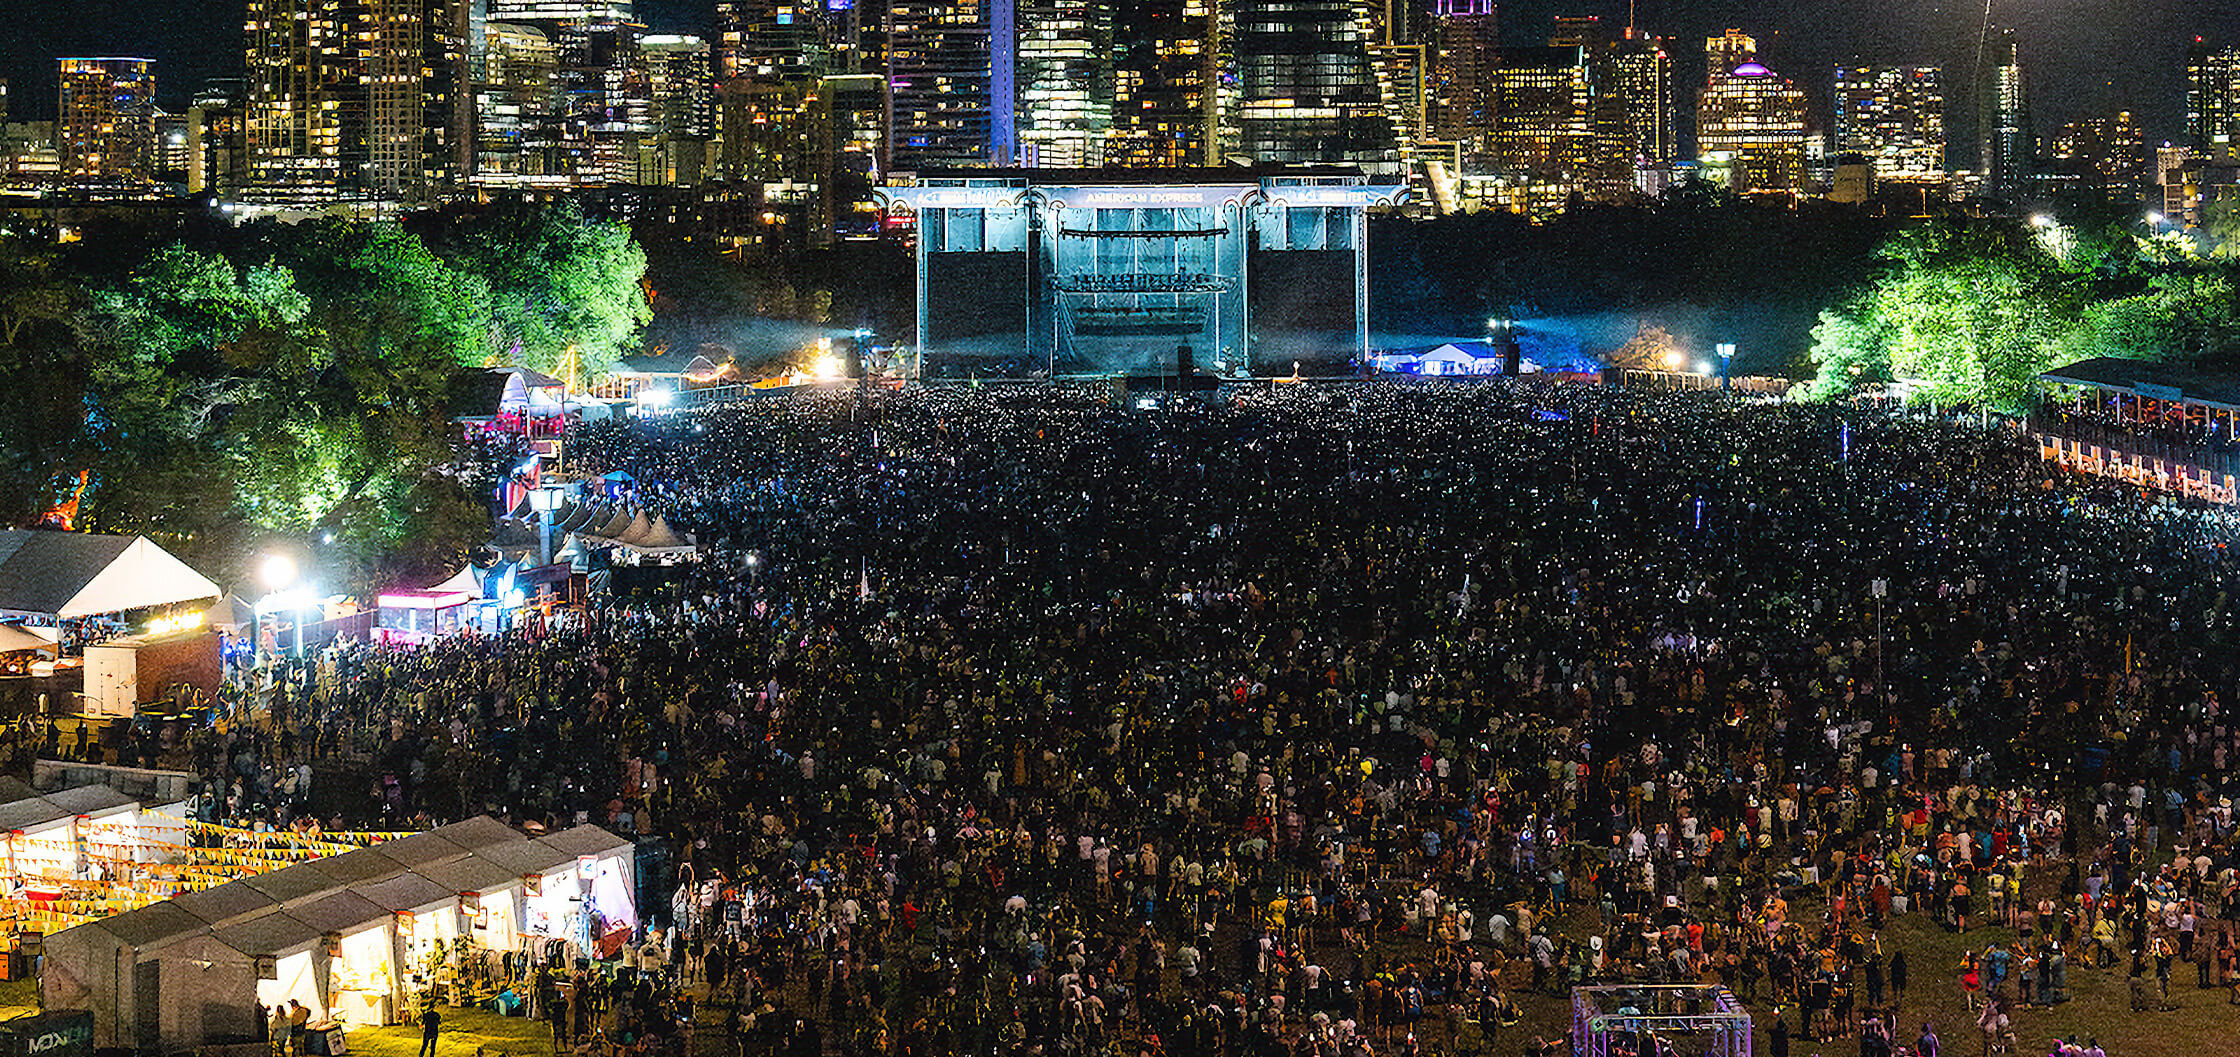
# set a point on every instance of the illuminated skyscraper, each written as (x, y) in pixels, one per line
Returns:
(847, 132)
(770, 38)
(2213, 101)
(941, 76)
(1631, 111)
(516, 103)
(1751, 125)
(607, 100)
(2008, 142)
(1540, 123)
(1641, 79)
(1894, 115)
(366, 98)
(2108, 151)
(1400, 53)
(680, 87)
(217, 135)
(1308, 92)
(1165, 103)
(1062, 86)
(1465, 36)
(299, 66)
(107, 128)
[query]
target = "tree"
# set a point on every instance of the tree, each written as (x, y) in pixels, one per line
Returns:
(1848, 350)
(1651, 347)
(560, 281)
(42, 381)
(1966, 312)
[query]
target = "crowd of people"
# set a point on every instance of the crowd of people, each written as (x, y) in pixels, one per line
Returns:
(1339, 720)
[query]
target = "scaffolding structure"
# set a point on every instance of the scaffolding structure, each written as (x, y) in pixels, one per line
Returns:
(1692, 1020)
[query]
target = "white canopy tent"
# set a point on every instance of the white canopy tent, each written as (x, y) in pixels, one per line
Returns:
(15, 638)
(63, 575)
(467, 581)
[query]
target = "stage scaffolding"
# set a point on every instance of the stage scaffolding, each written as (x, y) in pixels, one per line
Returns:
(1609, 1021)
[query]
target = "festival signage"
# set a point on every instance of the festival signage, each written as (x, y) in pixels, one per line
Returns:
(64, 1033)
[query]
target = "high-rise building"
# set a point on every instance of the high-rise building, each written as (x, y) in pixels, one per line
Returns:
(516, 104)
(298, 63)
(1063, 82)
(106, 128)
(1400, 54)
(2213, 101)
(1540, 123)
(771, 38)
(1308, 92)
(941, 75)
(1465, 38)
(390, 36)
(1751, 127)
(2008, 142)
(848, 124)
(218, 138)
(2106, 151)
(1631, 110)
(607, 102)
(1894, 116)
(1165, 95)
(1727, 51)
(681, 89)
(765, 128)
(362, 98)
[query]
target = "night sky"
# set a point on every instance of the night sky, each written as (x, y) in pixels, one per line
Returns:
(2081, 57)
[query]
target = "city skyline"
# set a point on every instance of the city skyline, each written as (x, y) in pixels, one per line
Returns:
(2084, 58)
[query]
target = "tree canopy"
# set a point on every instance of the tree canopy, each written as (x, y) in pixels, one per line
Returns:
(290, 381)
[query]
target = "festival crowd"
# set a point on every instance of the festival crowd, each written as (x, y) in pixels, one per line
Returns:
(1334, 720)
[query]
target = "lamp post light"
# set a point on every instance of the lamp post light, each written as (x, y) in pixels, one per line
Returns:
(544, 501)
(276, 571)
(1726, 365)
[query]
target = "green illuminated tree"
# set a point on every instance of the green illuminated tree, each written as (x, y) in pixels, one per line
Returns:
(1965, 312)
(558, 280)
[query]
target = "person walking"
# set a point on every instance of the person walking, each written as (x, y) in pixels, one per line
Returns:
(430, 1023)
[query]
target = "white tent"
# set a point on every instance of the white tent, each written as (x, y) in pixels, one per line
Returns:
(14, 638)
(78, 574)
(467, 581)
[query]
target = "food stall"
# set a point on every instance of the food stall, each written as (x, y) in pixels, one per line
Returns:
(415, 617)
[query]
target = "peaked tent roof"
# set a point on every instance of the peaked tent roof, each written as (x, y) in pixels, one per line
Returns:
(14, 639)
(468, 581)
(233, 611)
(79, 574)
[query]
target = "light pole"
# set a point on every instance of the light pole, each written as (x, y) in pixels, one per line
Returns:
(543, 501)
(1726, 365)
(277, 571)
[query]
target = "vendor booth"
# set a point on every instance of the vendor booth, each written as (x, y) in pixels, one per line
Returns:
(358, 938)
(415, 617)
(123, 673)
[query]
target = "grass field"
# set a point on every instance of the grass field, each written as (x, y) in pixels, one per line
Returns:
(2203, 1025)
(466, 1033)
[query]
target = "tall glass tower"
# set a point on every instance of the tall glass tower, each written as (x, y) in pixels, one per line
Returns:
(1062, 82)
(1308, 91)
(2008, 142)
